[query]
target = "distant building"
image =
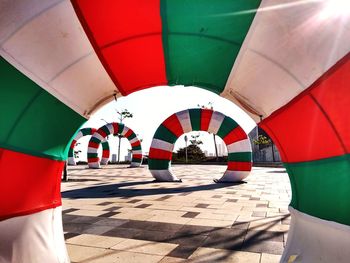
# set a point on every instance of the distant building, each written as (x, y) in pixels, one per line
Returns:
(114, 158)
(128, 157)
(206, 153)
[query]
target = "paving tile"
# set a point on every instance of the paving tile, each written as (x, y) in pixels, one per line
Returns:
(190, 214)
(83, 254)
(168, 259)
(259, 214)
(105, 203)
(269, 247)
(143, 206)
(182, 251)
(122, 232)
(109, 214)
(202, 205)
(270, 258)
(95, 241)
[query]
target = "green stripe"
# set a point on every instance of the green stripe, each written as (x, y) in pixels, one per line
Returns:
(70, 152)
(92, 155)
(86, 131)
(202, 38)
(120, 128)
(135, 148)
(28, 112)
(136, 160)
(155, 164)
(322, 188)
(132, 136)
(227, 125)
(95, 140)
(164, 134)
(195, 117)
(105, 129)
(105, 145)
(240, 156)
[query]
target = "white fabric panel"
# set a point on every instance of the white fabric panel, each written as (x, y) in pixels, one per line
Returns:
(163, 145)
(233, 176)
(71, 161)
(125, 130)
(135, 164)
(44, 39)
(78, 136)
(92, 150)
(94, 165)
(240, 146)
(104, 161)
(185, 120)
(215, 122)
(312, 239)
(110, 128)
(133, 140)
(33, 238)
(164, 175)
(289, 45)
(99, 136)
(137, 152)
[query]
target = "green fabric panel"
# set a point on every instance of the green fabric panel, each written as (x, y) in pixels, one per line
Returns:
(105, 146)
(95, 140)
(155, 164)
(120, 128)
(86, 131)
(70, 152)
(322, 188)
(105, 129)
(227, 125)
(202, 38)
(31, 112)
(132, 136)
(195, 116)
(136, 160)
(135, 148)
(164, 134)
(240, 156)
(92, 155)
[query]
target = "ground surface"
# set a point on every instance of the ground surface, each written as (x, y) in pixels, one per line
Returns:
(118, 214)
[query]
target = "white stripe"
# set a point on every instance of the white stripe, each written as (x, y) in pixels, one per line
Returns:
(287, 48)
(137, 152)
(78, 136)
(98, 136)
(135, 164)
(92, 150)
(233, 176)
(312, 239)
(162, 145)
(134, 140)
(104, 160)
(185, 120)
(110, 128)
(71, 161)
(240, 146)
(164, 175)
(94, 165)
(125, 130)
(215, 122)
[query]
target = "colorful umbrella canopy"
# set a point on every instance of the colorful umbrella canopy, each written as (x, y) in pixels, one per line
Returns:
(285, 62)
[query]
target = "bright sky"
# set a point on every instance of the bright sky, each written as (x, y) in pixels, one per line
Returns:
(151, 107)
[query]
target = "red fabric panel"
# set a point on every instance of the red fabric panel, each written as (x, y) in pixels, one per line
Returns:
(128, 133)
(73, 144)
(137, 143)
(302, 132)
(235, 135)
(93, 145)
(102, 133)
(332, 93)
(105, 153)
(173, 124)
(137, 156)
(239, 166)
(159, 154)
(115, 128)
(29, 184)
(93, 160)
(127, 36)
(205, 119)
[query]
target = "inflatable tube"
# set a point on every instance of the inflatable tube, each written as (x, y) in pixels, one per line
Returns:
(117, 129)
(237, 142)
(85, 132)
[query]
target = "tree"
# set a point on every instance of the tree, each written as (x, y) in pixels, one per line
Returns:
(122, 115)
(195, 140)
(194, 153)
(265, 142)
(210, 106)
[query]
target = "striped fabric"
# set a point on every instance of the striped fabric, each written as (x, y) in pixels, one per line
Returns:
(86, 132)
(113, 129)
(236, 140)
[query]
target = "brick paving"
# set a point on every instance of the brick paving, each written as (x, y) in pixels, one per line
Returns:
(119, 214)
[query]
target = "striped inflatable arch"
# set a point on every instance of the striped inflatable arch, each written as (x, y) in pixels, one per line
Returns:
(114, 129)
(86, 132)
(236, 140)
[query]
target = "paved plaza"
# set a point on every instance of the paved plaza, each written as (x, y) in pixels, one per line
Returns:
(119, 214)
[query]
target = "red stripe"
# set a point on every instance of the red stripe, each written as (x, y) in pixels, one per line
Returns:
(173, 124)
(128, 40)
(128, 133)
(115, 128)
(93, 145)
(237, 134)
(159, 154)
(105, 153)
(205, 119)
(93, 160)
(239, 166)
(137, 156)
(73, 144)
(137, 143)
(29, 184)
(102, 133)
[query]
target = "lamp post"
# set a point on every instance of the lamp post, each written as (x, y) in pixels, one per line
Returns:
(186, 139)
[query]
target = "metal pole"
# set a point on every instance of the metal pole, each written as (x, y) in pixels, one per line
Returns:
(186, 147)
(216, 148)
